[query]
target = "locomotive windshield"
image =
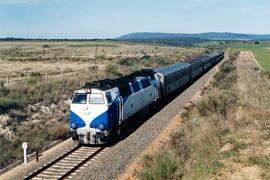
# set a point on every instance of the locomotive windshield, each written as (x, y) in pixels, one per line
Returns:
(79, 98)
(96, 99)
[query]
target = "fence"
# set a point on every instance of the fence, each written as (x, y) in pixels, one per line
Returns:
(46, 76)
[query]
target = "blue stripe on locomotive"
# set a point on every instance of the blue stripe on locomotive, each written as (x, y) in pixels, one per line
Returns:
(74, 118)
(109, 118)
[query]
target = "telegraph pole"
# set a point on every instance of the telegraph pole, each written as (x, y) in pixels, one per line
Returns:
(96, 54)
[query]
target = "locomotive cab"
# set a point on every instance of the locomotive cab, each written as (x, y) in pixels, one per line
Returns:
(89, 121)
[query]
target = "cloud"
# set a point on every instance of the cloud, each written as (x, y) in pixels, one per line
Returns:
(17, 1)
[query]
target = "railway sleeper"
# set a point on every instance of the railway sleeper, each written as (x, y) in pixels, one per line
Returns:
(53, 170)
(45, 176)
(70, 159)
(63, 166)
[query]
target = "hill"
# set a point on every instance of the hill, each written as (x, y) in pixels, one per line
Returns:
(209, 36)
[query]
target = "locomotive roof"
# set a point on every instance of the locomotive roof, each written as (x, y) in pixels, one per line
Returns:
(111, 83)
(172, 68)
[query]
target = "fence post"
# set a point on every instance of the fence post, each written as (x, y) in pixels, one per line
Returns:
(7, 81)
(46, 76)
(37, 159)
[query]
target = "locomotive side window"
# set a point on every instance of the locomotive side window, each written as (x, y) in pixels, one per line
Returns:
(109, 97)
(79, 98)
(136, 86)
(125, 90)
(145, 83)
(96, 99)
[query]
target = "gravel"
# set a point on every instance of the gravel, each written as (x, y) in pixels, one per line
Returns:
(114, 161)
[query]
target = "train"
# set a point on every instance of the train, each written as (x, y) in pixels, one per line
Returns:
(100, 108)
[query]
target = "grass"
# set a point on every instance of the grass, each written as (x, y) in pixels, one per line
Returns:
(263, 161)
(164, 166)
(14, 103)
(33, 91)
(263, 57)
(11, 149)
(82, 45)
(260, 50)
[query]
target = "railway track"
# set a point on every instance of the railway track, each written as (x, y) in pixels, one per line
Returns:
(65, 166)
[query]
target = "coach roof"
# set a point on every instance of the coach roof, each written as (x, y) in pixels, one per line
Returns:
(172, 68)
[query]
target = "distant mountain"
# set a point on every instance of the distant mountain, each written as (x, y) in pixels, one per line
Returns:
(209, 36)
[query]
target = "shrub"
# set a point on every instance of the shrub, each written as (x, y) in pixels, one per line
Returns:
(164, 167)
(35, 74)
(3, 91)
(218, 102)
(155, 61)
(263, 161)
(112, 69)
(45, 46)
(128, 61)
(226, 76)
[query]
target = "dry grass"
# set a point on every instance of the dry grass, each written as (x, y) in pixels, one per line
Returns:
(68, 56)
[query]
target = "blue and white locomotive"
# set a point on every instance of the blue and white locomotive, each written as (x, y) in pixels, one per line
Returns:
(99, 109)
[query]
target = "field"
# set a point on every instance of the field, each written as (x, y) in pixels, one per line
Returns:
(263, 57)
(260, 49)
(38, 78)
(57, 57)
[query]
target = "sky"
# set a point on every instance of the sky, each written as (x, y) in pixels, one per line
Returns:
(113, 18)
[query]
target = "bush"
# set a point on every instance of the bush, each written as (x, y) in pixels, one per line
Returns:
(218, 102)
(128, 61)
(263, 161)
(112, 69)
(164, 167)
(226, 77)
(45, 46)
(3, 91)
(35, 74)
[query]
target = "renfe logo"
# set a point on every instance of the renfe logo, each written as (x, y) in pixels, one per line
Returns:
(86, 112)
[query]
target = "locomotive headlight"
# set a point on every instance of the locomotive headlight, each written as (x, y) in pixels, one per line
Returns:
(88, 91)
(101, 126)
(74, 125)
